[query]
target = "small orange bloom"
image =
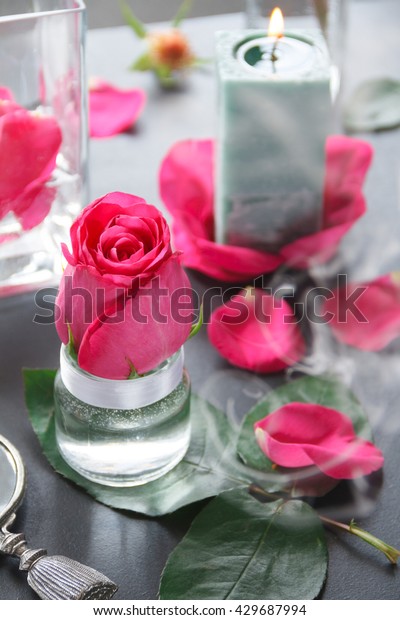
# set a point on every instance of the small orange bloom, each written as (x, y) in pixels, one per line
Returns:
(171, 49)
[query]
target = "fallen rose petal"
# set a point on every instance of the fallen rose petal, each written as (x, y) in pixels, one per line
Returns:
(187, 189)
(305, 434)
(7, 101)
(111, 109)
(256, 332)
(6, 94)
(347, 164)
(147, 338)
(376, 319)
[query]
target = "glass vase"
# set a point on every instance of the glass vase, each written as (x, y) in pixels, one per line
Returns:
(122, 433)
(43, 137)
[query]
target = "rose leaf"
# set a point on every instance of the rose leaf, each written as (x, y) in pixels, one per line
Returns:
(240, 549)
(374, 106)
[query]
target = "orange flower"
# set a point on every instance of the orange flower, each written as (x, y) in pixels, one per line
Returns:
(170, 49)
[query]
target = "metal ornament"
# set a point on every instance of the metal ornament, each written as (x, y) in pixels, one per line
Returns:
(51, 577)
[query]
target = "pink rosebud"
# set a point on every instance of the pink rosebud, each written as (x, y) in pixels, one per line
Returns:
(111, 109)
(187, 189)
(124, 294)
(305, 434)
(256, 331)
(374, 320)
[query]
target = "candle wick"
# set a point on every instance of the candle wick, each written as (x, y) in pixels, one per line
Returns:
(274, 57)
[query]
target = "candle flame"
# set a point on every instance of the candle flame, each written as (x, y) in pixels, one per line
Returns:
(276, 24)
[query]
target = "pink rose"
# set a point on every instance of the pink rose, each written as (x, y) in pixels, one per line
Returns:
(257, 332)
(305, 434)
(124, 294)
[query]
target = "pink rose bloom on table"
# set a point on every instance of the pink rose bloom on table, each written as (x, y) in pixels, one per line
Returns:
(124, 299)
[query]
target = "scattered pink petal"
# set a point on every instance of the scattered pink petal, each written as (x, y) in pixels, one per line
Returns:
(304, 434)
(187, 189)
(348, 161)
(375, 321)
(7, 101)
(6, 94)
(257, 332)
(111, 109)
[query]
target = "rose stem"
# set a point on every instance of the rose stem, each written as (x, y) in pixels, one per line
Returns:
(390, 552)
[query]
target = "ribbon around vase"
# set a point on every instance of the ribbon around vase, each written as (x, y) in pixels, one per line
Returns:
(122, 394)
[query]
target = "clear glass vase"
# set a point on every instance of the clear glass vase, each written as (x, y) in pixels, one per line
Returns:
(122, 433)
(43, 137)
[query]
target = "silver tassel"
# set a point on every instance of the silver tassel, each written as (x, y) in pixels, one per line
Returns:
(60, 578)
(55, 577)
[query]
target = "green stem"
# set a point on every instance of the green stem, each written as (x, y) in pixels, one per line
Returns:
(390, 552)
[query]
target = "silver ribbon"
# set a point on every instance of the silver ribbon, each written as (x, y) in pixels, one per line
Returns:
(121, 394)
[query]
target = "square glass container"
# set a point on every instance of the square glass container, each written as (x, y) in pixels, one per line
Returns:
(43, 137)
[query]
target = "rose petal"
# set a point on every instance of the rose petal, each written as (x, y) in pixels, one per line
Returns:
(241, 333)
(304, 434)
(28, 148)
(6, 94)
(82, 297)
(348, 161)
(187, 189)
(376, 320)
(111, 109)
(150, 333)
(99, 216)
(33, 205)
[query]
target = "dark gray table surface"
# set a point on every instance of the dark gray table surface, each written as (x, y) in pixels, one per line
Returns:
(131, 549)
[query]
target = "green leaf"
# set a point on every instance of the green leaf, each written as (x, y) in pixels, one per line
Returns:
(374, 106)
(197, 326)
(182, 13)
(163, 72)
(71, 344)
(143, 63)
(323, 391)
(131, 20)
(240, 549)
(209, 467)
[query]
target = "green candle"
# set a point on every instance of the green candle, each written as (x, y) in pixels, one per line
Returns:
(274, 117)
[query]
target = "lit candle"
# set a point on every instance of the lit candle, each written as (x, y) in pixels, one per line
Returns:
(275, 114)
